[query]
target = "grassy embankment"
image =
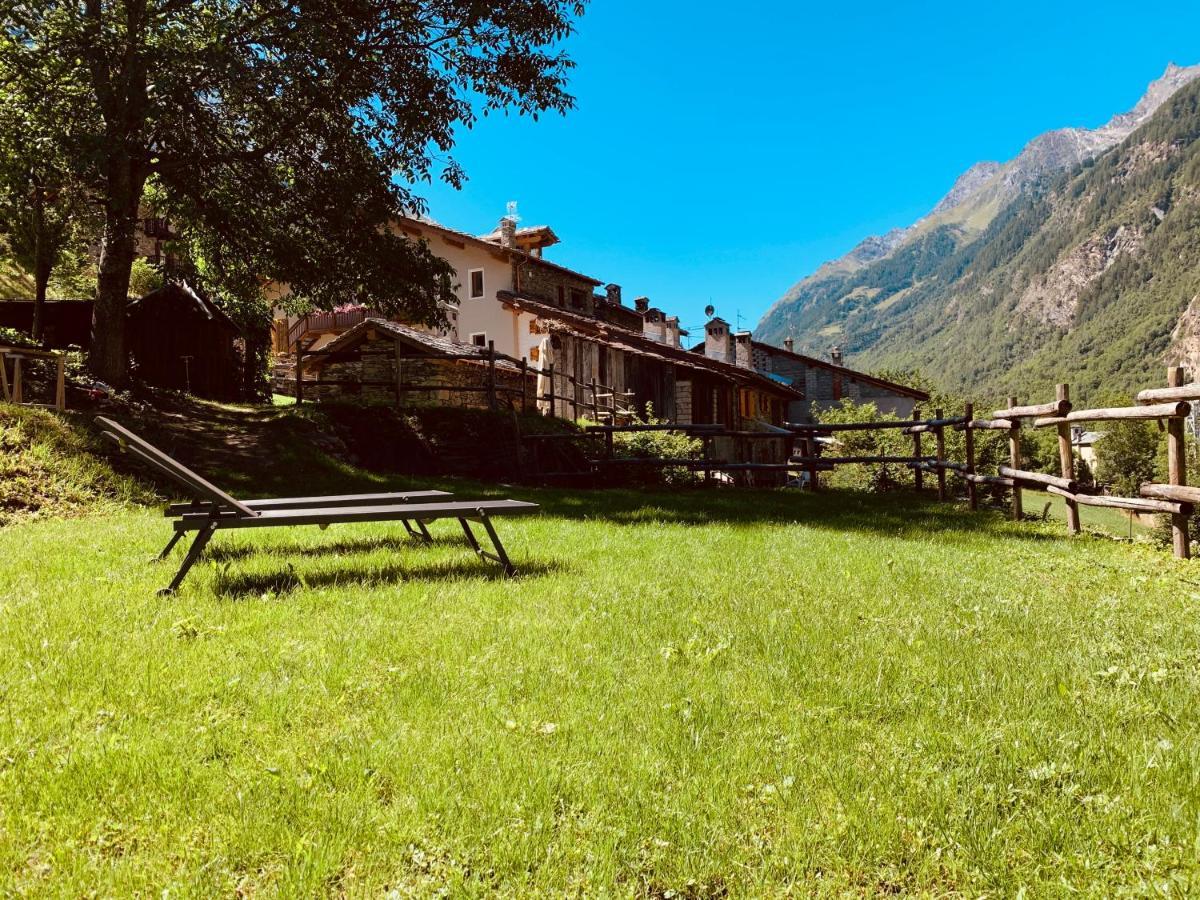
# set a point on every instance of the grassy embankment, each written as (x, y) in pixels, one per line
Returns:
(751, 692)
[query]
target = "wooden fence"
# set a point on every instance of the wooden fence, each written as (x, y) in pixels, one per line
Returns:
(14, 391)
(1169, 405)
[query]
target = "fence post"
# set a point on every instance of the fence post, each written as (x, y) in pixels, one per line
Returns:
(491, 376)
(4, 392)
(524, 385)
(918, 475)
(553, 412)
(940, 442)
(969, 443)
(18, 395)
(1177, 468)
(1066, 457)
(1014, 460)
(810, 442)
(60, 390)
(595, 407)
(299, 374)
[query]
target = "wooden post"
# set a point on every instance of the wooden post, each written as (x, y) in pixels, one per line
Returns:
(1014, 460)
(918, 475)
(524, 385)
(299, 374)
(60, 391)
(1066, 460)
(553, 412)
(1177, 468)
(969, 442)
(608, 445)
(18, 397)
(595, 407)
(5, 393)
(940, 442)
(491, 352)
(814, 483)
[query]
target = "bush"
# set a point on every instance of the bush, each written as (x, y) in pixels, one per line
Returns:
(656, 445)
(1127, 456)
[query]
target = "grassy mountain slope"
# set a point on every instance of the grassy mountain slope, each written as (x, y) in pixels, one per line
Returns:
(1091, 277)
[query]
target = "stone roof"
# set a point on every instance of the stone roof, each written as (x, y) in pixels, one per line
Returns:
(632, 342)
(892, 386)
(433, 344)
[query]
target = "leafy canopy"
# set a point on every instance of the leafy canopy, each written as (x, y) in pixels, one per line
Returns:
(290, 133)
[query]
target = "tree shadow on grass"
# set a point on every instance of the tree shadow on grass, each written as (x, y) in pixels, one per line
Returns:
(900, 513)
(235, 586)
(232, 553)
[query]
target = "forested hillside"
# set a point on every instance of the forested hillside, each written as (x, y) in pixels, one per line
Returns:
(1091, 276)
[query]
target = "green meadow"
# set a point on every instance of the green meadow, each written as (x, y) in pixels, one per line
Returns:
(685, 694)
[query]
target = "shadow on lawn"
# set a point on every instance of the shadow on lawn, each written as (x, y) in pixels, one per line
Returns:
(225, 553)
(284, 581)
(902, 513)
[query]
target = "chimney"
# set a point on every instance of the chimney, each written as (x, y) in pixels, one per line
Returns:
(508, 232)
(743, 355)
(835, 355)
(641, 304)
(613, 292)
(718, 342)
(787, 345)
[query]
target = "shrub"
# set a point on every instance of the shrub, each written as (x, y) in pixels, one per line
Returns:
(1127, 456)
(656, 445)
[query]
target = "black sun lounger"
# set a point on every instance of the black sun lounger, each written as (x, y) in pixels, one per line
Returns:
(217, 510)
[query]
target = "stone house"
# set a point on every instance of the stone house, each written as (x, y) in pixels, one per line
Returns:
(823, 383)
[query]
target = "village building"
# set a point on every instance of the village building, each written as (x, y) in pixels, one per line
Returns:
(823, 383)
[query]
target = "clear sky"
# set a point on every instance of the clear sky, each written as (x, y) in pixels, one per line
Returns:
(719, 152)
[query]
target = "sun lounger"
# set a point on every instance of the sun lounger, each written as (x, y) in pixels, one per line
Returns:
(214, 509)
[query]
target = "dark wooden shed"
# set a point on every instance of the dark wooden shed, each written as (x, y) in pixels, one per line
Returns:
(181, 340)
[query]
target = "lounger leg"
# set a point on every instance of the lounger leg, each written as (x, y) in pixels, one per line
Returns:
(502, 557)
(170, 546)
(425, 532)
(422, 534)
(499, 556)
(193, 554)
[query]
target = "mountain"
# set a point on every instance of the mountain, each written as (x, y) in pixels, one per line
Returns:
(1015, 249)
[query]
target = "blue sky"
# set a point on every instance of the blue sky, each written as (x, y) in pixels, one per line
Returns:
(719, 153)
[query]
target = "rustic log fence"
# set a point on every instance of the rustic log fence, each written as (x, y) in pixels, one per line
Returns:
(14, 391)
(1170, 405)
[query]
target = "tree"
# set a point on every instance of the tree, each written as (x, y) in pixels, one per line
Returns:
(41, 205)
(1126, 456)
(291, 133)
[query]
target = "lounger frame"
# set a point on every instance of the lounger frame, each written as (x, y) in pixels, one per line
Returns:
(212, 509)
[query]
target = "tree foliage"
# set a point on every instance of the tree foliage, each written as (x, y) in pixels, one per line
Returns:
(289, 134)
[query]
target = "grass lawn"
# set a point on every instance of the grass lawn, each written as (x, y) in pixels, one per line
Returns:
(1098, 518)
(743, 693)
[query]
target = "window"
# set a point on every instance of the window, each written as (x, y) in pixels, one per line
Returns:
(475, 284)
(479, 339)
(562, 296)
(577, 299)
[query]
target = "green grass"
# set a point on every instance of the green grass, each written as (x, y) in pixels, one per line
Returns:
(1107, 521)
(752, 693)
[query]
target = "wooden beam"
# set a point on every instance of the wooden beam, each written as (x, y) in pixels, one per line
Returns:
(1039, 478)
(969, 468)
(1178, 492)
(987, 425)
(1130, 503)
(1057, 408)
(1159, 395)
(851, 460)
(1176, 410)
(989, 479)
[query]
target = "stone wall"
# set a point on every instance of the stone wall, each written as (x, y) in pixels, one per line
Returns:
(553, 286)
(376, 363)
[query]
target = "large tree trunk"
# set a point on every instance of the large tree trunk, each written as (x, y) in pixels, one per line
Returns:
(107, 358)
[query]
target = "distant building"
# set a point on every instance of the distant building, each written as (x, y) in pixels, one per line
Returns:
(823, 383)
